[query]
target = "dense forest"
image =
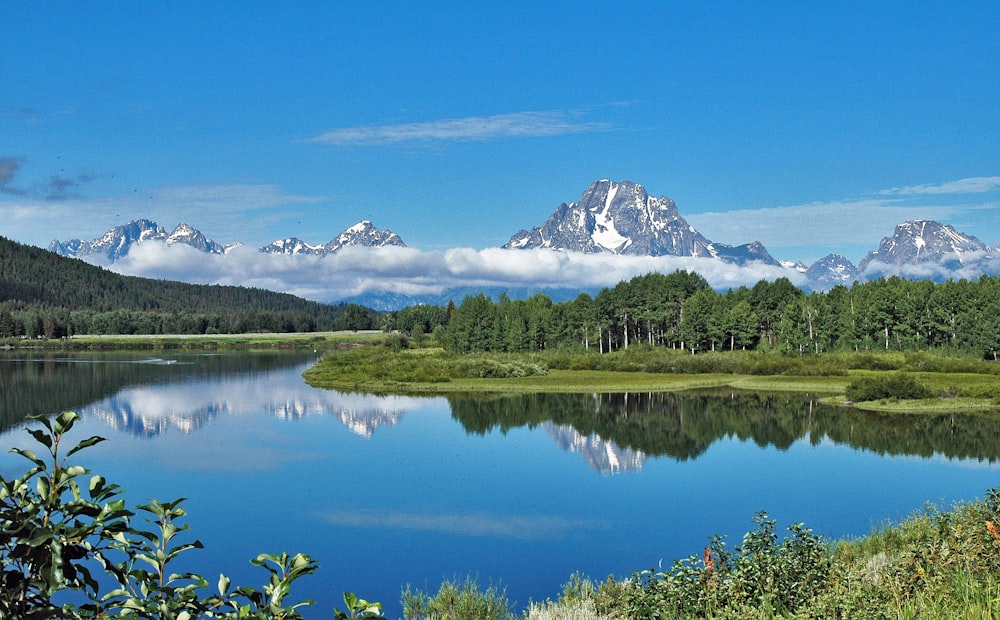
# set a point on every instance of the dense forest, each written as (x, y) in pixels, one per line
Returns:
(46, 295)
(681, 311)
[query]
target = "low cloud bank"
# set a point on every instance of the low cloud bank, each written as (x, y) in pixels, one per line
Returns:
(970, 266)
(357, 271)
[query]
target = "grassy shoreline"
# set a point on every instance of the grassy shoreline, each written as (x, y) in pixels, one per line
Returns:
(248, 341)
(958, 384)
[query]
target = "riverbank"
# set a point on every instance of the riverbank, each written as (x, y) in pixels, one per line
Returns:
(956, 384)
(250, 341)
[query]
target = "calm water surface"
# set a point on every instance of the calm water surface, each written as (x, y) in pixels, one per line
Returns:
(389, 491)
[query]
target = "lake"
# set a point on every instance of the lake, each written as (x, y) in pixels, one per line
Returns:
(386, 491)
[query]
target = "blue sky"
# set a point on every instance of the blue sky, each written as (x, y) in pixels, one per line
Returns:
(810, 127)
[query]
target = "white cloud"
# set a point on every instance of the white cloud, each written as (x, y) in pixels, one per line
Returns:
(972, 266)
(971, 185)
(408, 271)
(472, 128)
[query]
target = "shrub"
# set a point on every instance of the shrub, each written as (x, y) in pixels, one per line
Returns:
(458, 601)
(762, 573)
(64, 532)
(898, 386)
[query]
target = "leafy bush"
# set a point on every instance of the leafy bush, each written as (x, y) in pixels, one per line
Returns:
(64, 532)
(485, 367)
(762, 573)
(458, 601)
(898, 386)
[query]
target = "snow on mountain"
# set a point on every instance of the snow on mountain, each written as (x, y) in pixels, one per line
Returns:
(291, 246)
(829, 271)
(117, 242)
(924, 241)
(797, 265)
(361, 234)
(618, 218)
(622, 218)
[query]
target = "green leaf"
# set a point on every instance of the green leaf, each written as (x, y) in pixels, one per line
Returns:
(64, 422)
(224, 583)
(43, 487)
(28, 454)
(75, 470)
(41, 437)
(86, 443)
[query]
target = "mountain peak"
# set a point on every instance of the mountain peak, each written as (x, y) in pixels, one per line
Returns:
(920, 241)
(364, 233)
(117, 242)
(620, 217)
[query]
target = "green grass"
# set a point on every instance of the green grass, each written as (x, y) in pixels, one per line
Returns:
(958, 384)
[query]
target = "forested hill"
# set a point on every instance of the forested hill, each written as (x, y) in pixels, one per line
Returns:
(37, 285)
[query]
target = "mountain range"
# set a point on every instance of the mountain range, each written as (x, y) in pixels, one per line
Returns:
(619, 218)
(116, 243)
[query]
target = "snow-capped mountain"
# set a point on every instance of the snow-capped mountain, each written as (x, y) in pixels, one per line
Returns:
(923, 241)
(361, 234)
(117, 242)
(744, 254)
(622, 218)
(829, 271)
(797, 265)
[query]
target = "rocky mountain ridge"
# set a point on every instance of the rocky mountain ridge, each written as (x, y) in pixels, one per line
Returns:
(117, 242)
(619, 218)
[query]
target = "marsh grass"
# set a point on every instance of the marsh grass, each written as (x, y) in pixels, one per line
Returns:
(955, 384)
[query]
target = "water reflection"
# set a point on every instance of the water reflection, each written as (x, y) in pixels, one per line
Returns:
(684, 426)
(603, 456)
(613, 433)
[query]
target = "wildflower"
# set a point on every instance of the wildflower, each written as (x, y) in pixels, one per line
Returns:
(993, 530)
(708, 560)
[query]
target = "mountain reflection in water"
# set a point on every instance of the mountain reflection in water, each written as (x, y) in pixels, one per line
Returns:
(147, 396)
(475, 484)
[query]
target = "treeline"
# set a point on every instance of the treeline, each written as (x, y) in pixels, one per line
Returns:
(46, 295)
(681, 311)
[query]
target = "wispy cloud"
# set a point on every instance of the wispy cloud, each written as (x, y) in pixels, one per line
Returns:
(971, 185)
(465, 524)
(468, 129)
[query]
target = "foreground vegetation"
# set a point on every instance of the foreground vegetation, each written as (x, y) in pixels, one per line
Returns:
(66, 535)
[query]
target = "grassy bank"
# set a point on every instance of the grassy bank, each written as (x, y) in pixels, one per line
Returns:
(952, 384)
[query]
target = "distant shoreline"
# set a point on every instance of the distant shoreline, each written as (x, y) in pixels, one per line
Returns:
(250, 341)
